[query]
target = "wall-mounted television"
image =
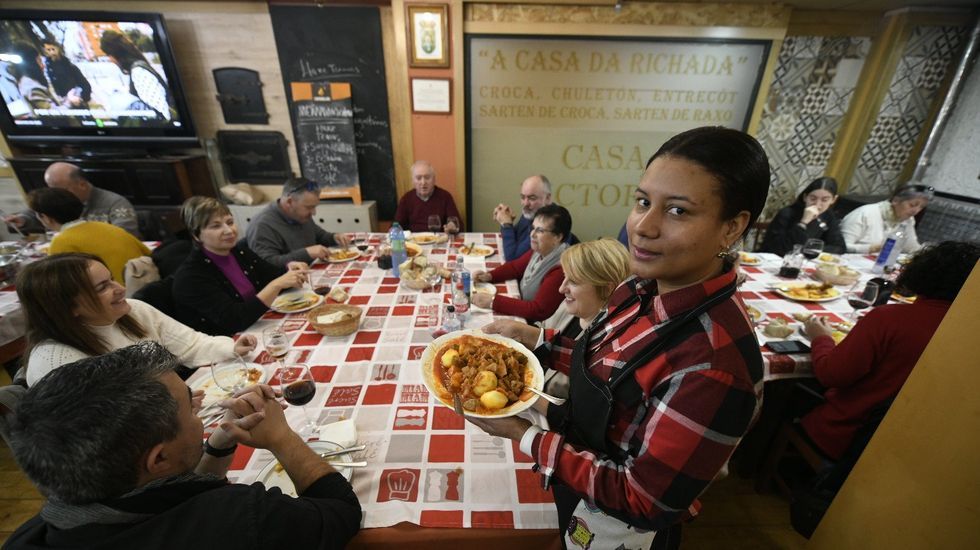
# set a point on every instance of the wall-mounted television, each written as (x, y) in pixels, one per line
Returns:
(90, 79)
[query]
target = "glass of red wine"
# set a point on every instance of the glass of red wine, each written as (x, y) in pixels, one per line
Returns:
(812, 248)
(361, 242)
(862, 296)
(452, 227)
(434, 223)
(298, 389)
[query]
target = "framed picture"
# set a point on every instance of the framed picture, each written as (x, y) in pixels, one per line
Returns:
(428, 35)
(431, 95)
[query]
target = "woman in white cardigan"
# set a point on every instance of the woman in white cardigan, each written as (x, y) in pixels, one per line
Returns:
(75, 310)
(866, 228)
(592, 271)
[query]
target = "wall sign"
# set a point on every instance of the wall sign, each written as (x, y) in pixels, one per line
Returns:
(428, 34)
(431, 95)
(588, 113)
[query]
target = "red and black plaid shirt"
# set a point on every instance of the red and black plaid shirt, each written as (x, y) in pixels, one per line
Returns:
(699, 398)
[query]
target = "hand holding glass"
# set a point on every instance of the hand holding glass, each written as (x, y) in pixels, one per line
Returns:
(298, 389)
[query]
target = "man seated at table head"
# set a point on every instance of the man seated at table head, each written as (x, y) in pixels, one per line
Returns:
(415, 207)
(285, 231)
(101, 205)
(516, 230)
(114, 443)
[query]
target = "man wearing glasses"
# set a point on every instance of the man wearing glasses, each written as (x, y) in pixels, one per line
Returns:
(516, 231)
(285, 231)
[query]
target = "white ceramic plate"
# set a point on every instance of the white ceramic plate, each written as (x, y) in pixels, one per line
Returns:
(352, 250)
(307, 298)
(274, 476)
(782, 290)
(478, 251)
(428, 238)
(213, 393)
(431, 384)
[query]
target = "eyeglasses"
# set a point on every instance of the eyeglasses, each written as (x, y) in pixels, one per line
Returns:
(297, 187)
(922, 188)
(540, 230)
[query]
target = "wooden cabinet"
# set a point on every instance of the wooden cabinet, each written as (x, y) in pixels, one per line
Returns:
(148, 182)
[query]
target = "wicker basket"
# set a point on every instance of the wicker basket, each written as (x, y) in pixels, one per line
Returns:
(340, 328)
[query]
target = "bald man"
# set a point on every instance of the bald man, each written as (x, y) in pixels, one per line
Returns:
(101, 205)
(516, 231)
(415, 207)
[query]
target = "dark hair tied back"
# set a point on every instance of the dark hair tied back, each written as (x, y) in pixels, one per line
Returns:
(732, 156)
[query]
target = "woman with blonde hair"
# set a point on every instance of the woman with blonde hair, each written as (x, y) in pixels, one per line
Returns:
(592, 271)
(75, 310)
(223, 287)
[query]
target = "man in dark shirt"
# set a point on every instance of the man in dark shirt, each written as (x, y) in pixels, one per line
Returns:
(415, 207)
(65, 78)
(113, 441)
(516, 231)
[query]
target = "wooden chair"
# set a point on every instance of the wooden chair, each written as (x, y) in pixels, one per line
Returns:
(788, 435)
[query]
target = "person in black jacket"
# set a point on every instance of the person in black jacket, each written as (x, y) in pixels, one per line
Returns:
(66, 79)
(810, 217)
(223, 287)
(114, 442)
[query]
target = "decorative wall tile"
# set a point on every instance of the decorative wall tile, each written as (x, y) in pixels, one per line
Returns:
(813, 84)
(930, 53)
(635, 13)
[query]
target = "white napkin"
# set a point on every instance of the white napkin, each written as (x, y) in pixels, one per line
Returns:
(342, 432)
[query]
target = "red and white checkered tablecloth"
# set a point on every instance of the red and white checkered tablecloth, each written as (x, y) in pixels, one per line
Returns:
(425, 464)
(756, 291)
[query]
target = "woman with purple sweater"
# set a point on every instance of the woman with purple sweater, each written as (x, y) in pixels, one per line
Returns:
(223, 287)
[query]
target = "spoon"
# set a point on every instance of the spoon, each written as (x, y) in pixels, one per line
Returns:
(549, 398)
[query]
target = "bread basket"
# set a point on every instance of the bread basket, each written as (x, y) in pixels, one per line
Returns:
(339, 328)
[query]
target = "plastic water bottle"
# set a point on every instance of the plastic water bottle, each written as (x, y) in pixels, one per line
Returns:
(398, 254)
(451, 322)
(461, 275)
(888, 255)
(462, 303)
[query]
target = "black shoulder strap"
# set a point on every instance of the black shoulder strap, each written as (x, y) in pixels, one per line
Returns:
(664, 333)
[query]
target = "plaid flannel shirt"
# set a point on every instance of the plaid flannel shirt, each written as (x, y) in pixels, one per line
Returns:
(699, 398)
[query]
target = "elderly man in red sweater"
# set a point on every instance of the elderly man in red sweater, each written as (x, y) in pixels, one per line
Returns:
(871, 364)
(415, 207)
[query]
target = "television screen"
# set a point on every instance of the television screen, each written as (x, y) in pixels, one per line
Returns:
(78, 76)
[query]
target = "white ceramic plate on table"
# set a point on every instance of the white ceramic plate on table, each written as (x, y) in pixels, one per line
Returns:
(273, 475)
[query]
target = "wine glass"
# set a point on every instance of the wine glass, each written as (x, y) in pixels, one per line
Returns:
(435, 223)
(812, 248)
(861, 296)
(452, 225)
(298, 389)
(230, 375)
(361, 242)
(276, 343)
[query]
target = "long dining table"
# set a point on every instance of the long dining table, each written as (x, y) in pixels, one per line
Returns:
(432, 479)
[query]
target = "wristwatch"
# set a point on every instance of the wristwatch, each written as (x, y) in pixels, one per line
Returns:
(218, 453)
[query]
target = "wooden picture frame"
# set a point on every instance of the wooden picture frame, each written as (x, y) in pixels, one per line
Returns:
(432, 95)
(428, 35)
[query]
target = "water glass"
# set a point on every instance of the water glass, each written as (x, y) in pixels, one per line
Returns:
(230, 375)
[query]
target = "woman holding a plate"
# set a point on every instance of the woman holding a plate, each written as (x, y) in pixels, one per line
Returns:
(667, 380)
(538, 271)
(223, 287)
(75, 310)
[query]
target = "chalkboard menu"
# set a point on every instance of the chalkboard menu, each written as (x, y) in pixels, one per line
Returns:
(343, 44)
(323, 121)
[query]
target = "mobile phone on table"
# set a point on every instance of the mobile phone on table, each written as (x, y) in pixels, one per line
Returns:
(787, 346)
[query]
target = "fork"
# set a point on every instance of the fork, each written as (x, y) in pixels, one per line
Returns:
(549, 398)
(457, 404)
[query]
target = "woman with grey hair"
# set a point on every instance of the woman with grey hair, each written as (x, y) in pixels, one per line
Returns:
(866, 228)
